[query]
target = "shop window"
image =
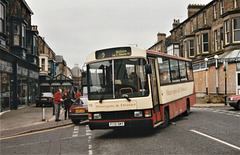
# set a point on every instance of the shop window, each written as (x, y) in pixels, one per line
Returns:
(236, 29)
(205, 42)
(227, 37)
(5, 91)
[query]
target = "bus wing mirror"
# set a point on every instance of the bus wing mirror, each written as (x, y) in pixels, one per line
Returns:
(148, 69)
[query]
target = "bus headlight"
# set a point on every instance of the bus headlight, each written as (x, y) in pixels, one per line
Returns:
(138, 114)
(97, 116)
(147, 113)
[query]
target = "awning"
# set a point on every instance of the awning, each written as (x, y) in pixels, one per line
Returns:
(44, 84)
(66, 84)
(231, 56)
(55, 84)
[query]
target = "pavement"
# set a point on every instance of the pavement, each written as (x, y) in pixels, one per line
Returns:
(29, 119)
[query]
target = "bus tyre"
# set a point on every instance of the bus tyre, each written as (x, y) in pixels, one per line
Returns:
(166, 119)
(187, 112)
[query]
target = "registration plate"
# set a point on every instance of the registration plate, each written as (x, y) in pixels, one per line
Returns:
(43, 99)
(112, 124)
(80, 110)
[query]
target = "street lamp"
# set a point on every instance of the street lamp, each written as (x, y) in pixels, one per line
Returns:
(216, 58)
(206, 65)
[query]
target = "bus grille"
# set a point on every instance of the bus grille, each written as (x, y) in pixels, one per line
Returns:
(117, 115)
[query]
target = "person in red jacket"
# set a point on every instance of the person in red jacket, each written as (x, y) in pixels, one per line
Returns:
(78, 94)
(57, 99)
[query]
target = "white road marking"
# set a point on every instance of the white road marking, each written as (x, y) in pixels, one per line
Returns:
(218, 140)
(89, 134)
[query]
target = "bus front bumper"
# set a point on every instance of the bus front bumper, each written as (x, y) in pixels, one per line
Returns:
(113, 124)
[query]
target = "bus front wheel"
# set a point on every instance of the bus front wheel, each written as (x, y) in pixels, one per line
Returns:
(187, 112)
(166, 119)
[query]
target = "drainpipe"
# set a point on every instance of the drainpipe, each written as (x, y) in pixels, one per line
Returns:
(206, 64)
(216, 58)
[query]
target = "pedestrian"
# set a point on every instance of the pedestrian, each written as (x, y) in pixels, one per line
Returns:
(57, 100)
(67, 102)
(72, 94)
(78, 94)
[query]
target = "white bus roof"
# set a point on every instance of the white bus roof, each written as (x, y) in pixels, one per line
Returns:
(137, 52)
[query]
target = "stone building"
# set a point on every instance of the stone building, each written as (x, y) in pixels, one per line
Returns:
(18, 56)
(210, 36)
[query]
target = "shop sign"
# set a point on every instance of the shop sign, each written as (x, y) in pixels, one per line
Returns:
(24, 72)
(5, 66)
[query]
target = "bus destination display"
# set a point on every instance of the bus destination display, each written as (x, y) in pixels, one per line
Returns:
(114, 52)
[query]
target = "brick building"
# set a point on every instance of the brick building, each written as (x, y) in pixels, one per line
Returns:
(210, 36)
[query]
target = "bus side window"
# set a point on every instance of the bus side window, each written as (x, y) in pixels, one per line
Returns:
(183, 71)
(189, 71)
(174, 70)
(164, 70)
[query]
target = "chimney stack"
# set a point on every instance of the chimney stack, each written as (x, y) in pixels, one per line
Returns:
(161, 36)
(176, 22)
(193, 8)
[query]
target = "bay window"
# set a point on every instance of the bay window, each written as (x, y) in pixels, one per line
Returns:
(236, 29)
(205, 42)
(227, 37)
(191, 48)
(19, 34)
(198, 44)
(216, 40)
(2, 18)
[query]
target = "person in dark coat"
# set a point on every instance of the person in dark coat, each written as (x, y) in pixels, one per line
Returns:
(67, 102)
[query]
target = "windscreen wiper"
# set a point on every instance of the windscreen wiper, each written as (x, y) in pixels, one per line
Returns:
(126, 96)
(101, 99)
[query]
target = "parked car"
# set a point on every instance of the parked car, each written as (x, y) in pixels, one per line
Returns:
(234, 101)
(46, 98)
(79, 110)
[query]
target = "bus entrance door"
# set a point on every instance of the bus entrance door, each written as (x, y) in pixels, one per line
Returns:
(154, 89)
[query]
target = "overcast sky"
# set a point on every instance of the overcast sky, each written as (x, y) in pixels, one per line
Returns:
(74, 28)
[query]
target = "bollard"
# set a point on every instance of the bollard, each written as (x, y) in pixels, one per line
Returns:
(53, 109)
(43, 113)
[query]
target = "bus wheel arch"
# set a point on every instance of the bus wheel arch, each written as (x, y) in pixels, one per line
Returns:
(187, 112)
(166, 120)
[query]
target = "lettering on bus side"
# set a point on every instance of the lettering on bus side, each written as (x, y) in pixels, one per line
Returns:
(176, 91)
(116, 105)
